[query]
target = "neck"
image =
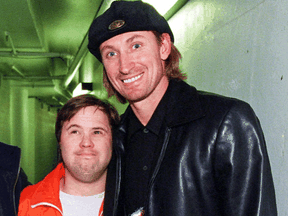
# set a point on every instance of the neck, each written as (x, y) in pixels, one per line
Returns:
(144, 109)
(74, 187)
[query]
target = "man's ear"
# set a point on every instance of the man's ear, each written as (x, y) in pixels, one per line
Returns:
(165, 48)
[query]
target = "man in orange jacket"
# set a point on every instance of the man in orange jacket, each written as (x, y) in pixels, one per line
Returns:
(76, 186)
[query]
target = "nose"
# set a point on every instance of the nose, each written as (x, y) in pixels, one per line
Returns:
(86, 142)
(126, 63)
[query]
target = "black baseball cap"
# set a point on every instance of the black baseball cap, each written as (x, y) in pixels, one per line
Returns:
(122, 17)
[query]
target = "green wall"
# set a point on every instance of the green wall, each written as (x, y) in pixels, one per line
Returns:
(4, 111)
(240, 49)
(29, 124)
(45, 139)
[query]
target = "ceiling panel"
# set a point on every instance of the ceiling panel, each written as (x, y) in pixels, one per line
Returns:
(16, 24)
(39, 41)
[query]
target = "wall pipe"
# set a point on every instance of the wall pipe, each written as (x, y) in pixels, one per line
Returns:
(18, 71)
(9, 38)
(32, 77)
(83, 50)
(16, 54)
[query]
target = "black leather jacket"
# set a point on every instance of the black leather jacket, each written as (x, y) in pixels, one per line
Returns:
(12, 179)
(213, 161)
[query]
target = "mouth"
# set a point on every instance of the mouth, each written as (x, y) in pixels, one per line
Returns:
(133, 79)
(84, 154)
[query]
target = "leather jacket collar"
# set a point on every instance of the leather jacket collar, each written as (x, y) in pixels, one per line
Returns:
(182, 107)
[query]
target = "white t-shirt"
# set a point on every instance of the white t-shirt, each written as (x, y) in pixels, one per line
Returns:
(81, 205)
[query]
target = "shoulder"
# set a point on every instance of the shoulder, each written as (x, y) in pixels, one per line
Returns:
(9, 157)
(26, 198)
(183, 89)
(188, 95)
(189, 103)
(28, 192)
(8, 150)
(43, 186)
(210, 100)
(228, 110)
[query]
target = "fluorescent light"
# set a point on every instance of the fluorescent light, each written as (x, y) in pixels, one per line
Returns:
(78, 90)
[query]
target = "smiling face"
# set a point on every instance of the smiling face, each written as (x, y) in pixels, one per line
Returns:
(134, 63)
(86, 145)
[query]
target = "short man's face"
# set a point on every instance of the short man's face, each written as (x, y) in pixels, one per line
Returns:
(134, 63)
(86, 145)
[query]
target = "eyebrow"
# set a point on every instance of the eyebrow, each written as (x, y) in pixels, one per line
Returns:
(94, 128)
(73, 125)
(106, 47)
(101, 128)
(129, 40)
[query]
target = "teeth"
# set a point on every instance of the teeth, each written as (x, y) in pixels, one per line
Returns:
(132, 79)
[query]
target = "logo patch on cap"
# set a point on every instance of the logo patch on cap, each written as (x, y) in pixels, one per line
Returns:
(116, 24)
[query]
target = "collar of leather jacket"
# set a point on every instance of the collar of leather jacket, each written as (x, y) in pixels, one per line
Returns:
(184, 105)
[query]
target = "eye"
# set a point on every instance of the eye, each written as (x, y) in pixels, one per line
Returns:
(74, 132)
(136, 46)
(97, 132)
(111, 54)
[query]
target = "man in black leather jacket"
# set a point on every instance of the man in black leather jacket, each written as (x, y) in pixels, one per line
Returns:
(12, 179)
(178, 151)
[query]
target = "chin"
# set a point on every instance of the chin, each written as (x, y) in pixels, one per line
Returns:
(135, 98)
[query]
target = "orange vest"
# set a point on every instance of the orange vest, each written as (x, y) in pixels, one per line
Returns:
(43, 197)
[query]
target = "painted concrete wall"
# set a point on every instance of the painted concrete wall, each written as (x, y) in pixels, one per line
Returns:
(20, 133)
(29, 124)
(240, 49)
(45, 140)
(4, 111)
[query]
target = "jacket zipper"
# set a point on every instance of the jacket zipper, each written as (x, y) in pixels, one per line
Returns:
(118, 181)
(119, 177)
(14, 188)
(162, 153)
